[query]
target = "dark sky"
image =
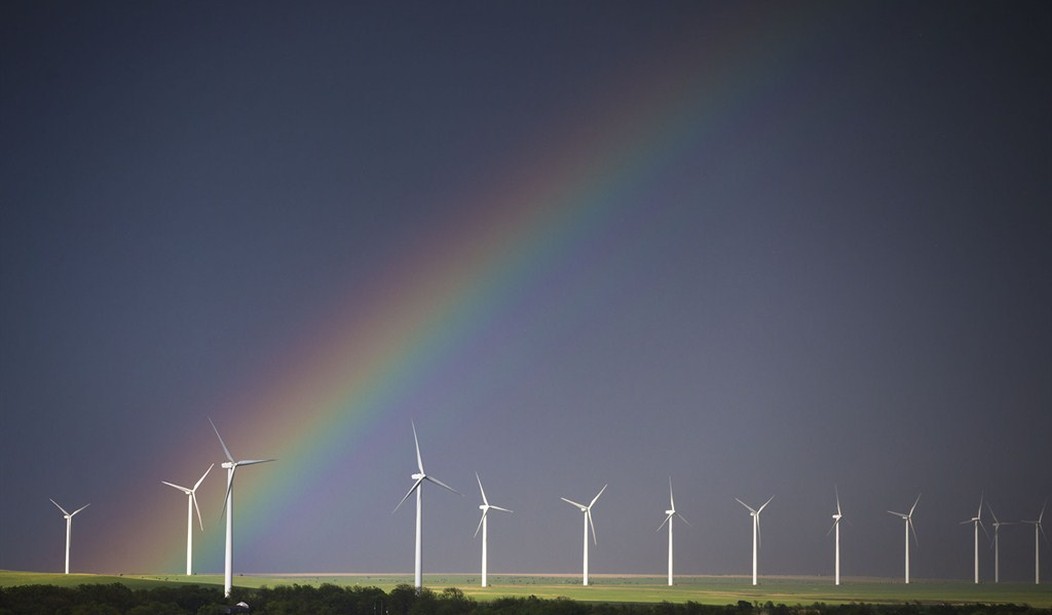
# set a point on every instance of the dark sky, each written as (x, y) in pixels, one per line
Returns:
(764, 248)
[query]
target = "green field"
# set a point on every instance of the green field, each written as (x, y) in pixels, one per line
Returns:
(718, 590)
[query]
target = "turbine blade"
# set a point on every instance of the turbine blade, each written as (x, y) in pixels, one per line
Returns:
(837, 492)
(683, 520)
(592, 503)
(407, 494)
(483, 491)
(1042, 515)
(416, 441)
(832, 527)
(760, 510)
(59, 507)
(229, 490)
(571, 502)
(909, 522)
(759, 534)
(501, 509)
(441, 484)
(667, 519)
(990, 508)
(79, 509)
(897, 514)
(185, 490)
(915, 502)
(983, 528)
(591, 524)
(671, 500)
(202, 479)
(193, 498)
(483, 518)
(226, 451)
(746, 505)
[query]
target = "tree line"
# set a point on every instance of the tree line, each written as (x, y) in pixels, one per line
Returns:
(328, 599)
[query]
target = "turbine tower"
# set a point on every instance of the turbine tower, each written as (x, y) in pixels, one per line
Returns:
(1038, 531)
(485, 506)
(69, 526)
(836, 528)
(420, 477)
(908, 519)
(997, 550)
(977, 521)
(755, 514)
(191, 505)
(228, 505)
(671, 512)
(587, 510)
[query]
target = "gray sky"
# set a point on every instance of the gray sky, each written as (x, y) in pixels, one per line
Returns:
(764, 248)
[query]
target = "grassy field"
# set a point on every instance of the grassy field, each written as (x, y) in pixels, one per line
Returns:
(617, 588)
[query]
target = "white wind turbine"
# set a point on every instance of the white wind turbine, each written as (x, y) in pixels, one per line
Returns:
(1038, 530)
(836, 528)
(420, 477)
(908, 518)
(69, 526)
(997, 550)
(755, 514)
(671, 512)
(228, 504)
(191, 505)
(977, 521)
(485, 506)
(587, 510)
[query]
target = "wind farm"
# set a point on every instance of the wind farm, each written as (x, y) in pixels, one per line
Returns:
(762, 249)
(627, 588)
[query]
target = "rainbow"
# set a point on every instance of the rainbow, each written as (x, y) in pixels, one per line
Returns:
(347, 372)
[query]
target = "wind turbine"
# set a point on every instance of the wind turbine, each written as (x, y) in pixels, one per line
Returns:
(191, 505)
(420, 477)
(836, 527)
(1038, 529)
(755, 514)
(69, 526)
(671, 512)
(485, 506)
(977, 521)
(997, 551)
(908, 518)
(587, 510)
(228, 504)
